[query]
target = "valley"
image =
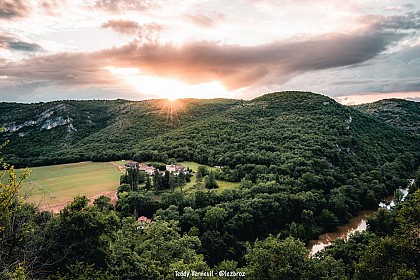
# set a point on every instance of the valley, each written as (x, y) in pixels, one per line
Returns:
(265, 177)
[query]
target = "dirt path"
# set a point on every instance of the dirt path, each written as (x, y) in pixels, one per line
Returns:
(120, 168)
(57, 207)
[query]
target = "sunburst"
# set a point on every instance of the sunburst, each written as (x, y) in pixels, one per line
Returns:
(172, 110)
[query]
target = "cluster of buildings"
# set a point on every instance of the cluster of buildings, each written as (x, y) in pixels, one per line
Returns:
(175, 169)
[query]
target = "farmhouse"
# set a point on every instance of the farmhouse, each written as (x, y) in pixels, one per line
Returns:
(150, 170)
(143, 222)
(131, 164)
(175, 169)
(144, 219)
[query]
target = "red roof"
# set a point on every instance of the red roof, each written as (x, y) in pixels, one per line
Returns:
(144, 219)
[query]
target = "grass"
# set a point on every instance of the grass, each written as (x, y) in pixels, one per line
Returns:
(68, 180)
(194, 166)
(224, 185)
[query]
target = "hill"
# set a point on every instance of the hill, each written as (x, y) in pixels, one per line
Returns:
(292, 133)
(305, 164)
(73, 131)
(397, 112)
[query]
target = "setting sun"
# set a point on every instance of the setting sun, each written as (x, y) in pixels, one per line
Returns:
(168, 88)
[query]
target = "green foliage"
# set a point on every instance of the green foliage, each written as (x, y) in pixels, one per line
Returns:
(304, 162)
(274, 258)
(82, 271)
(103, 204)
(210, 181)
(397, 112)
(389, 258)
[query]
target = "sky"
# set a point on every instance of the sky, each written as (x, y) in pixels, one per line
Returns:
(354, 51)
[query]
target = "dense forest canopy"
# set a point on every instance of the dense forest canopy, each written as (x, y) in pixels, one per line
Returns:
(304, 162)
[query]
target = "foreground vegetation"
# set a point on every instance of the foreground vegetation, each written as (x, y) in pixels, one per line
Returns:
(200, 231)
(302, 164)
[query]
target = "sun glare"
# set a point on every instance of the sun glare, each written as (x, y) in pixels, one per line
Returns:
(168, 88)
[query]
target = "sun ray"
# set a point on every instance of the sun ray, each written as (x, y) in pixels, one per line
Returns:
(173, 110)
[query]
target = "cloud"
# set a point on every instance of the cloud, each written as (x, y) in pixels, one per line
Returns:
(122, 26)
(238, 66)
(235, 66)
(408, 6)
(146, 33)
(205, 19)
(410, 20)
(50, 7)
(150, 33)
(12, 9)
(15, 44)
(117, 6)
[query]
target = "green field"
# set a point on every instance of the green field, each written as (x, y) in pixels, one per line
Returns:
(58, 184)
(194, 166)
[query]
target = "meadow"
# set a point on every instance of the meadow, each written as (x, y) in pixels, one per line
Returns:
(52, 187)
(194, 166)
(58, 184)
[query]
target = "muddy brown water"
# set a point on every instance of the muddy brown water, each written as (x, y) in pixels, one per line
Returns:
(357, 223)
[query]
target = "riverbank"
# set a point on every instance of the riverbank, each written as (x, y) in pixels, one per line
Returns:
(356, 224)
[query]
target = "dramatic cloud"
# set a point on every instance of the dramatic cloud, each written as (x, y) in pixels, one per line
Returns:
(235, 66)
(122, 26)
(10, 9)
(251, 47)
(15, 44)
(240, 66)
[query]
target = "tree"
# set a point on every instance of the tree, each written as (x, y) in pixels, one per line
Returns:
(157, 181)
(162, 243)
(166, 179)
(11, 227)
(215, 216)
(82, 233)
(83, 271)
(103, 204)
(389, 258)
(181, 179)
(133, 177)
(210, 181)
(172, 182)
(10, 198)
(273, 258)
(148, 185)
(201, 172)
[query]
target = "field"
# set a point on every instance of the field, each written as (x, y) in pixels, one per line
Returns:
(54, 186)
(194, 166)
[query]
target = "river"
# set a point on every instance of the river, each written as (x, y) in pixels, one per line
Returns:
(357, 223)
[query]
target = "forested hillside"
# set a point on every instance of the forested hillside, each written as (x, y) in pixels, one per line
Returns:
(72, 131)
(401, 113)
(305, 164)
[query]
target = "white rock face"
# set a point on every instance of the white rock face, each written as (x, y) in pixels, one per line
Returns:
(44, 121)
